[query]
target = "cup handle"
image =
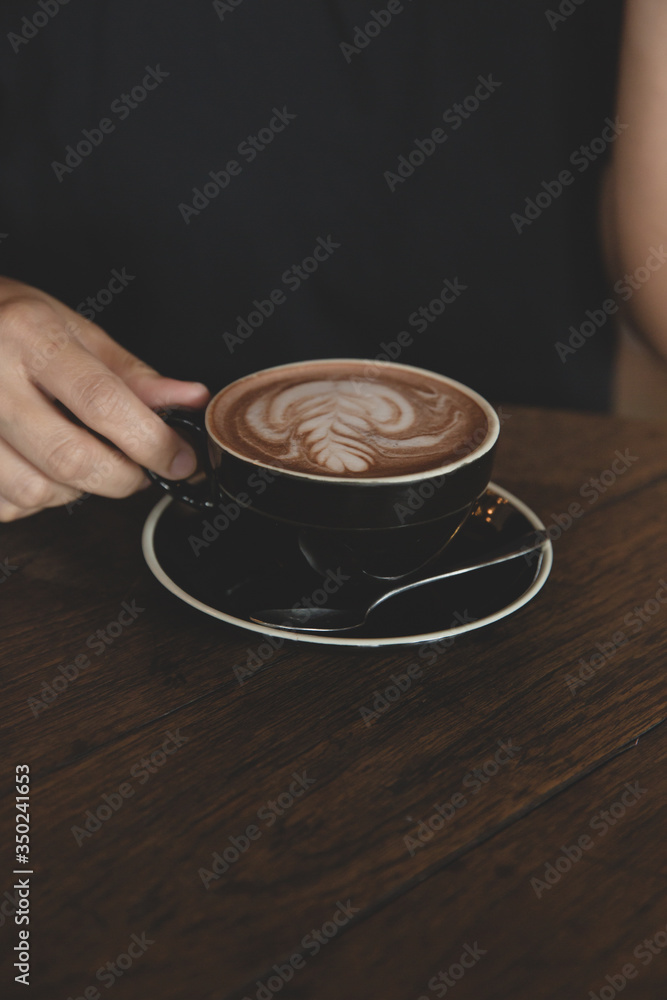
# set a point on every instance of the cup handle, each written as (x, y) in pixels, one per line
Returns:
(202, 496)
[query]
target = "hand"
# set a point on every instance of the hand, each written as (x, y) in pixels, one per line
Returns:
(50, 353)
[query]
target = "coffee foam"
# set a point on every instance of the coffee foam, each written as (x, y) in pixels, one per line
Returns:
(331, 419)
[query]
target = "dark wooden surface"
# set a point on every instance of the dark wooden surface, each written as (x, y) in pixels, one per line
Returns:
(343, 839)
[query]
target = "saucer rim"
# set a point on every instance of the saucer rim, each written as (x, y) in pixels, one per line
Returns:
(148, 548)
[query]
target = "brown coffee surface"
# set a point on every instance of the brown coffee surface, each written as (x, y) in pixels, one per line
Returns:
(360, 421)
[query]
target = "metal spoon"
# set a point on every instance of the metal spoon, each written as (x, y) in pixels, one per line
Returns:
(325, 619)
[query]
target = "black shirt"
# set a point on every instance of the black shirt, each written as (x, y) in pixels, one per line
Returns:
(226, 186)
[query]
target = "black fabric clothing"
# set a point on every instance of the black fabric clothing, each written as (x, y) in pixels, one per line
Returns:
(328, 109)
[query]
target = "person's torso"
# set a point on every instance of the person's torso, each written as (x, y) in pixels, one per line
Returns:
(226, 186)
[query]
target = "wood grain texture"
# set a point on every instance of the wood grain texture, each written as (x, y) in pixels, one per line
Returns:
(602, 908)
(171, 670)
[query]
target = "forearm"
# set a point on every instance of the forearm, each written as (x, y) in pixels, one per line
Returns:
(634, 203)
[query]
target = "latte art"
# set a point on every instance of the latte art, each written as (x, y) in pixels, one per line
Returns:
(344, 427)
(325, 419)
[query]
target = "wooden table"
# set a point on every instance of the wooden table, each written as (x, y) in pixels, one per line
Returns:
(542, 872)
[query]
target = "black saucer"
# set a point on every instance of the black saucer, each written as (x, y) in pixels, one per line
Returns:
(231, 568)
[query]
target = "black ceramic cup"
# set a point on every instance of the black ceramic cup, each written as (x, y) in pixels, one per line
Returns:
(383, 527)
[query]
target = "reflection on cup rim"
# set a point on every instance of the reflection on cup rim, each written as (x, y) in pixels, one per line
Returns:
(475, 452)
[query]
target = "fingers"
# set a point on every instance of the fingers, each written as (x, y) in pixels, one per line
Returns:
(24, 489)
(8, 512)
(51, 355)
(103, 401)
(153, 389)
(64, 453)
(157, 391)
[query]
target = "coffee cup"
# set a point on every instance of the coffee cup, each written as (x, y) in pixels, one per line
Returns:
(379, 461)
